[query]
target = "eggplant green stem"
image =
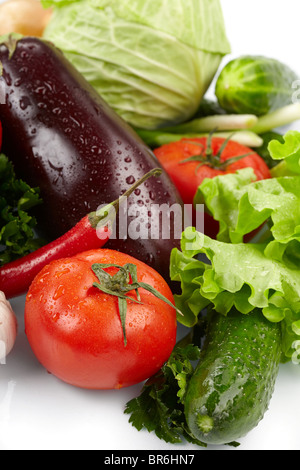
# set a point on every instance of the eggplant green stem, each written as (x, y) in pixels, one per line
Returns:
(96, 217)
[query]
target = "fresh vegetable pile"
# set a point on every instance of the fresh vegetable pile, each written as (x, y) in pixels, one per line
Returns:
(106, 124)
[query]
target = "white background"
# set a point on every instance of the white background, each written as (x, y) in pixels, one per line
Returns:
(37, 411)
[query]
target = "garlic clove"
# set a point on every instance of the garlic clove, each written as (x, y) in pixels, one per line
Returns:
(8, 327)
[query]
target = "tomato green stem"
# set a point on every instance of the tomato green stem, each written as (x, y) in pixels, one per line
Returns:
(207, 156)
(120, 284)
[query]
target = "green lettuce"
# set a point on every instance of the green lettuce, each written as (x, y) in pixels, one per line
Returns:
(242, 205)
(288, 151)
(226, 272)
(236, 275)
(151, 60)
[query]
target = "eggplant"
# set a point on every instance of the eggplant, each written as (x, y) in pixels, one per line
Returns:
(64, 138)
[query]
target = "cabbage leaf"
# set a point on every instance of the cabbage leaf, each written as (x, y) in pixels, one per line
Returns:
(150, 60)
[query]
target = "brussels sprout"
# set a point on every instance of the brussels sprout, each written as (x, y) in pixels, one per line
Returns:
(255, 85)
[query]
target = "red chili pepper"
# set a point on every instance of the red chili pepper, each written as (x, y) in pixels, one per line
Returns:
(17, 276)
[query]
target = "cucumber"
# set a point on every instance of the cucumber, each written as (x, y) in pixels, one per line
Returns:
(255, 85)
(233, 382)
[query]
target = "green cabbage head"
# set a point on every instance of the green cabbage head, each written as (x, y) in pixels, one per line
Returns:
(150, 60)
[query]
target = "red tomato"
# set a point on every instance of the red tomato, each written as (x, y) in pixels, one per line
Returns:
(188, 176)
(75, 331)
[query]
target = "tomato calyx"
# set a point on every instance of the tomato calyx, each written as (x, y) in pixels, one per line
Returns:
(122, 283)
(208, 158)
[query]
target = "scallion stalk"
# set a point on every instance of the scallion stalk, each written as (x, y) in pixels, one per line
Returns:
(158, 137)
(280, 117)
(224, 122)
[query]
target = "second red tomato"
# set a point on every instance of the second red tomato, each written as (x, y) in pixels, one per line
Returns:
(189, 161)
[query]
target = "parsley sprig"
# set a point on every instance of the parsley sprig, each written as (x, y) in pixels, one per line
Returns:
(160, 406)
(17, 199)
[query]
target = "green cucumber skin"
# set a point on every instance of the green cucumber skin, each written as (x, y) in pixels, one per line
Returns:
(233, 383)
(255, 85)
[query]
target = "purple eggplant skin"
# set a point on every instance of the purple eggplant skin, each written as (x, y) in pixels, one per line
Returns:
(63, 137)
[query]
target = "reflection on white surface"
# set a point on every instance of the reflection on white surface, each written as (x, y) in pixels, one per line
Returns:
(5, 406)
(39, 412)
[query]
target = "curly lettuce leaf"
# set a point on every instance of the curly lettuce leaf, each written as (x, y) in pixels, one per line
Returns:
(237, 275)
(288, 151)
(242, 205)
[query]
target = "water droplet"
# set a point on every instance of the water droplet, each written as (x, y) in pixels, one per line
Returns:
(149, 258)
(24, 55)
(75, 121)
(95, 149)
(24, 102)
(59, 292)
(55, 317)
(18, 82)
(56, 111)
(130, 179)
(58, 274)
